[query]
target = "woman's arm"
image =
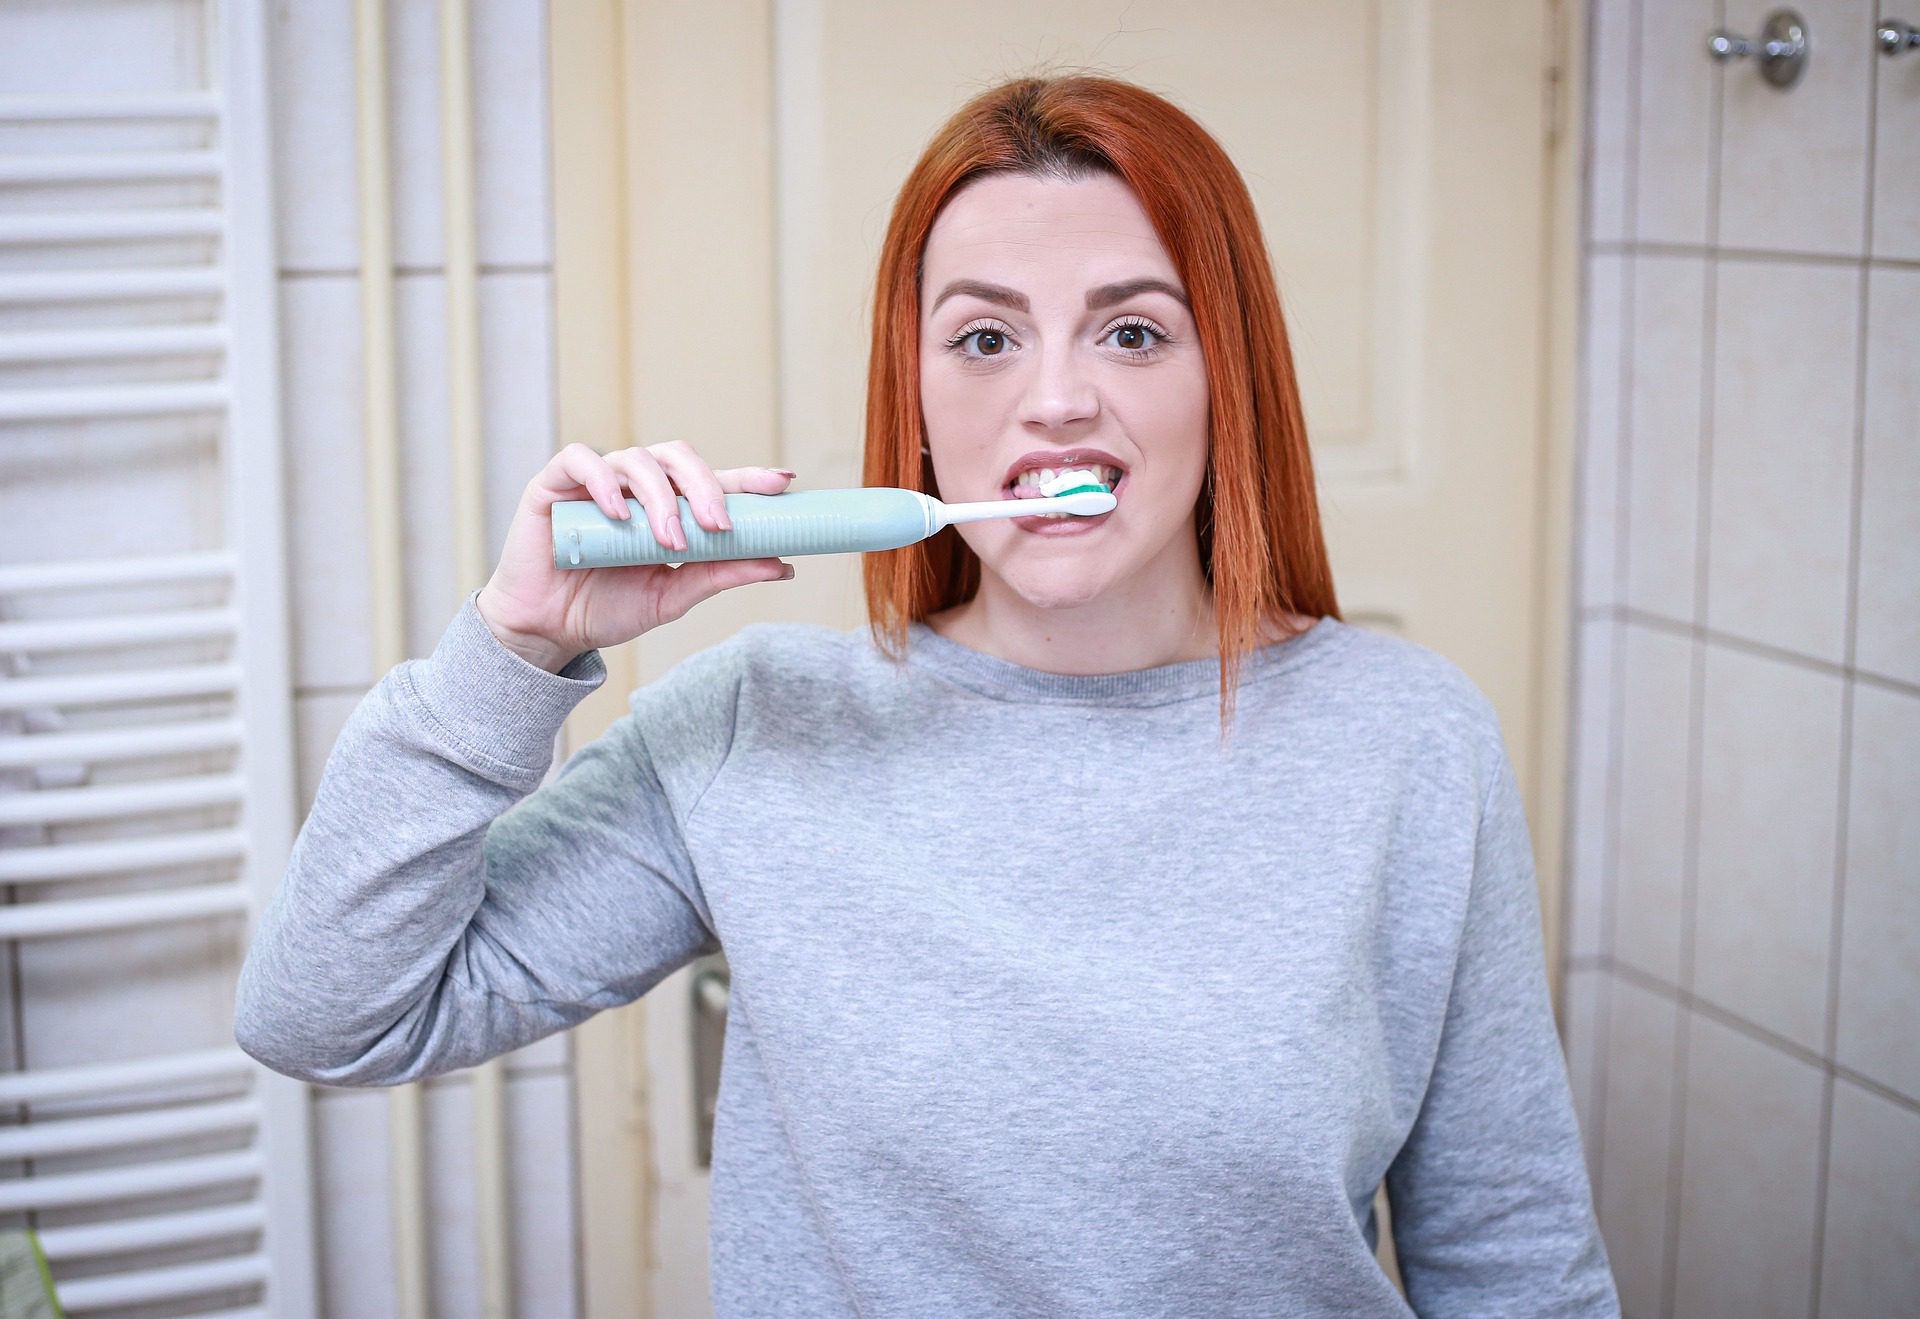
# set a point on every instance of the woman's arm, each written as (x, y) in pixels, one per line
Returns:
(1492, 1209)
(434, 914)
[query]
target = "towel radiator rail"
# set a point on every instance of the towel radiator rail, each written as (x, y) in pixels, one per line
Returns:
(145, 752)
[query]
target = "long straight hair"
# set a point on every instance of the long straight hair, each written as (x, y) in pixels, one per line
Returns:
(1258, 517)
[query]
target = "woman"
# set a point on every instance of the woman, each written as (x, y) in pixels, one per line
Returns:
(1048, 996)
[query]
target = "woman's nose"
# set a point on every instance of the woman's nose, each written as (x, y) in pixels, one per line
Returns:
(1060, 391)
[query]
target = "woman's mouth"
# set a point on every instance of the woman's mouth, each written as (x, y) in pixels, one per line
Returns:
(1028, 486)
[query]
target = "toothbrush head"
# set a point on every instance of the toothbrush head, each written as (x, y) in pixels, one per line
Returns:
(1086, 501)
(1076, 481)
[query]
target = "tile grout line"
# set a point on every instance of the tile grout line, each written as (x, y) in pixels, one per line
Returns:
(1759, 649)
(1616, 656)
(1843, 818)
(1823, 1152)
(1667, 247)
(1759, 1034)
(1614, 732)
(1696, 684)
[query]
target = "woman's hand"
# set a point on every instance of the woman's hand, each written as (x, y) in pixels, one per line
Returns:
(549, 616)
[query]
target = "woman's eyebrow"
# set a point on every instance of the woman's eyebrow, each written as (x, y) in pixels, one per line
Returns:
(1103, 296)
(986, 292)
(1108, 294)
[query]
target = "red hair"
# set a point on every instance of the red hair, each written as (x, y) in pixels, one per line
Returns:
(1258, 517)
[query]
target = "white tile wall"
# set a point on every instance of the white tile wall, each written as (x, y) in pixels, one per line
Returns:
(1605, 355)
(1767, 821)
(350, 1147)
(1793, 163)
(1641, 1091)
(313, 66)
(1585, 917)
(1749, 1178)
(1675, 121)
(1787, 354)
(1889, 622)
(1652, 852)
(1873, 1206)
(320, 389)
(1880, 930)
(1583, 1028)
(1613, 83)
(1743, 915)
(317, 217)
(316, 191)
(1896, 155)
(1663, 458)
(326, 464)
(357, 1257)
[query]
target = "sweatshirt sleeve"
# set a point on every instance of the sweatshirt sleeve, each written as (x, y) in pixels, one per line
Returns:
(1492, 1208)
(440, 906)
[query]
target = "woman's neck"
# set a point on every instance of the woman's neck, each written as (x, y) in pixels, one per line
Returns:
(1079, 640)
(1133, 626)
(1160, 618)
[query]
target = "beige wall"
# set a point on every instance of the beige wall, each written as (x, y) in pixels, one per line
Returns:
(1743, 930)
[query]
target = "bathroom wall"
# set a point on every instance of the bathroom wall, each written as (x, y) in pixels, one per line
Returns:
(1742, 935)
(317, 218)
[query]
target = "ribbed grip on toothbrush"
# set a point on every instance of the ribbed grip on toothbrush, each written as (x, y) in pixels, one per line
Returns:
(764, 526)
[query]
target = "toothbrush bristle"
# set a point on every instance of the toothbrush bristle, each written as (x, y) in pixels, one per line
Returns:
(1093, 487)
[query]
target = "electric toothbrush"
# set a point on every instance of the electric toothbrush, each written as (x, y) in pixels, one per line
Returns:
(797, 522)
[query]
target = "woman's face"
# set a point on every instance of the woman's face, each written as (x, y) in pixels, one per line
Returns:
(1053, 326)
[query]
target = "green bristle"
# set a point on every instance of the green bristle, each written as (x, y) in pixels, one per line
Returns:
(1083, 489)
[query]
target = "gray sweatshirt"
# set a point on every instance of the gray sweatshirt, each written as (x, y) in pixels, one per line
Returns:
(1043, 1003)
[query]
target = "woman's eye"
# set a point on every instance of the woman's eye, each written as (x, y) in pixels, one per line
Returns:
(992, 342)
(1135, 338)
(1138, 337)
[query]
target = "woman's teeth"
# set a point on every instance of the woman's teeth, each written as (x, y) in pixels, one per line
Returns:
(1107, 476)
(1044, 480)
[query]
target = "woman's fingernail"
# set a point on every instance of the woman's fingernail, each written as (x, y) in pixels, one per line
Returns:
(784, 472)
(786, 576)
(718, 507)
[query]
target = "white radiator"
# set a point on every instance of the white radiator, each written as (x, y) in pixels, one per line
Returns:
(147, 802)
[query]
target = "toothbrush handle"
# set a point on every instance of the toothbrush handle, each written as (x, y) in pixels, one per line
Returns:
(764, 526)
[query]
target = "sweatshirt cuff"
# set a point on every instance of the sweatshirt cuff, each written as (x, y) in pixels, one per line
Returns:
(492, 703)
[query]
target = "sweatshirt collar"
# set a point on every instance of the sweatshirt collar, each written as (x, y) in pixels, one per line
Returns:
(1002, 679)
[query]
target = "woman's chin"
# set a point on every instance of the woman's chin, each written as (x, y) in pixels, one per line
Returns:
(1059, 589)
